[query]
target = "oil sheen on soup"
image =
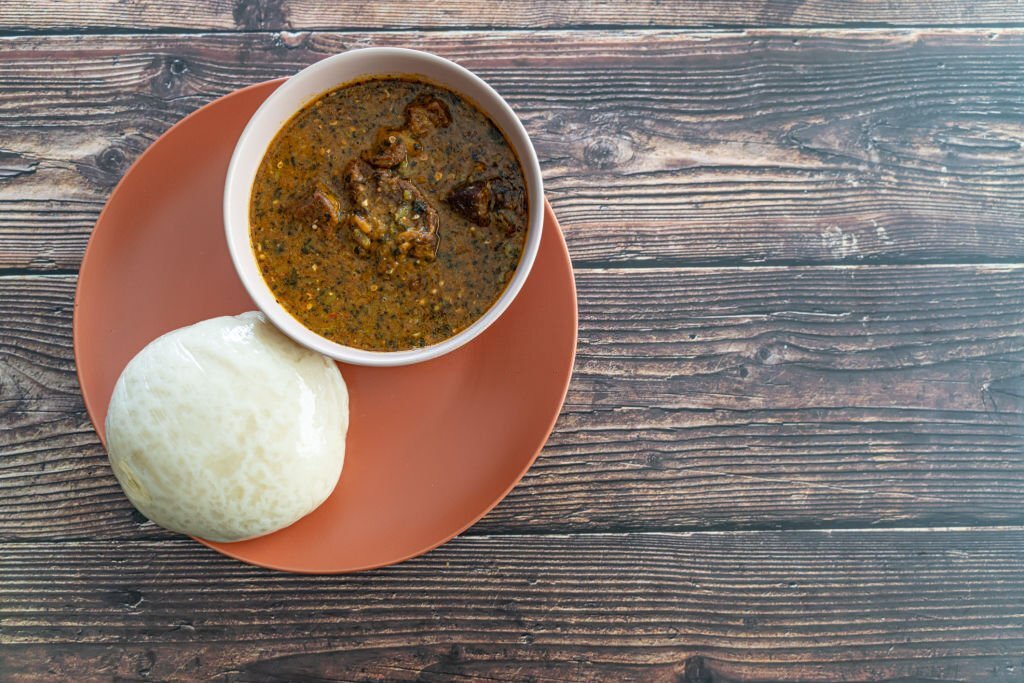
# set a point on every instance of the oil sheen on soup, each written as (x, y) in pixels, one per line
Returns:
(388, 214)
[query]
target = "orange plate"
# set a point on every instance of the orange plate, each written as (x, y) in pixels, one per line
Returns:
(431, 447)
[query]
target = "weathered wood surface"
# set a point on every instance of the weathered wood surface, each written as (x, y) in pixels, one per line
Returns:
(743, 397)
(658, 148)
(711, 503)
(762, 606)
(259, 15)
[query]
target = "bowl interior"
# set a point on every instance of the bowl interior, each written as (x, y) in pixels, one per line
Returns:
(306, 86)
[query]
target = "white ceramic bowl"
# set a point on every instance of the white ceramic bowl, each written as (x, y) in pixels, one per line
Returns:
(307, 85)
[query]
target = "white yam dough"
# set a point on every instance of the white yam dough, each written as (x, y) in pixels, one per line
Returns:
(227, 429)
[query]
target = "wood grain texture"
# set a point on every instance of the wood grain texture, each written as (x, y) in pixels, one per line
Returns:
(704, 607)
(257, 15)
(729, 493)
(702, 398)
(658, 148)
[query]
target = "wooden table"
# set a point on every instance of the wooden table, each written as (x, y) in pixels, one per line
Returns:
(793, 448)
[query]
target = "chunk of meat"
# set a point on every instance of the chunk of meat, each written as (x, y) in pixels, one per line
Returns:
(355, 179)
(323, 208)
(505, 195)
(472, 201)
(493, 201)
(425, 113)
(422, 245)
(388, 150)
(392, 218)
(414, 219)
(508, 205)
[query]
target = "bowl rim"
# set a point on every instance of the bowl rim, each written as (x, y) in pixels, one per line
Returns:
(239, 240)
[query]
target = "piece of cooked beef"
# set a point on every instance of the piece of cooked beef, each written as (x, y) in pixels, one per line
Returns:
(425, 113)
(414, 219)
(508, 205)
(505, 195)
(493, 201)
(388, 149)
(391, 216)
(323, 208)
(472, 201)
(355, 179)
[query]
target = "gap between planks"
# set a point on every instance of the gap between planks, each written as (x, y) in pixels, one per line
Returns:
(661, 266)
(690, 32)
(603, 533)
(583, 534)
(713, 29)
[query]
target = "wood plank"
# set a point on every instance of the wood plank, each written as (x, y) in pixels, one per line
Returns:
(759, 606)
(256, 15)
(702, 398)
(657, 147)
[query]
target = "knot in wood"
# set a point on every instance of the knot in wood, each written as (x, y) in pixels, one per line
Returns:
(178, 66)
(112, 160)
(607, 152)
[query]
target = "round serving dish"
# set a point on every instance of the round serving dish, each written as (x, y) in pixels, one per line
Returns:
(306, 86)
(157, 261)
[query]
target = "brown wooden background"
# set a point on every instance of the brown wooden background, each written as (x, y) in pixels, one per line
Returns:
(793, 449)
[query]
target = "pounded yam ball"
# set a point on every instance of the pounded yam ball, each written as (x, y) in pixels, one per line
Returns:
(227, 429)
